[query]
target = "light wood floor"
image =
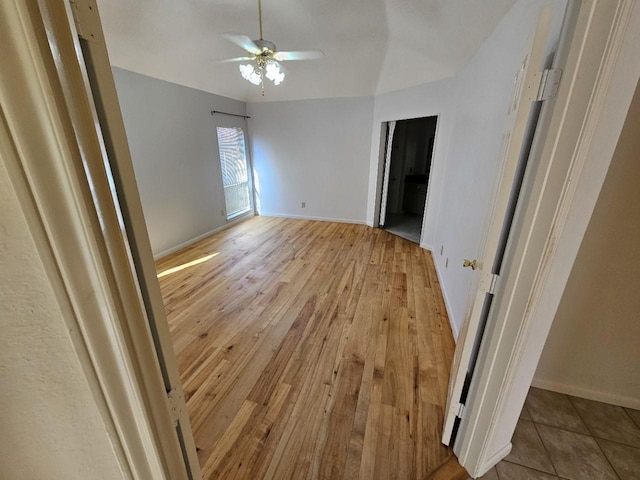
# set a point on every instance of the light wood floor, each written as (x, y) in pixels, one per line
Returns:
(311, 350)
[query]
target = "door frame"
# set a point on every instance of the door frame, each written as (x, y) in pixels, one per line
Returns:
(57, 162)
(381, 169)
(386, 172)
(580, 134)
(92, 69)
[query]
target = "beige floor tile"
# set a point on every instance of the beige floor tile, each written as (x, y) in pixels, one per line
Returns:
(511, 471)
(527, 448)
(608, 421)
(490, 475)
(575, 456)
(554, 409)
(625, 459)
(524, 414)
(635, 415)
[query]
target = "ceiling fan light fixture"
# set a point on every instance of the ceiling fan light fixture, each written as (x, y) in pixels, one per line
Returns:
(264, 57)
(273, 73)
(249, 73)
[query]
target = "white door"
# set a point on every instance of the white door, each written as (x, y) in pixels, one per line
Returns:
(528, 88)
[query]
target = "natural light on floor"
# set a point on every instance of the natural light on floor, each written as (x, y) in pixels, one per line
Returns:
(187, 265)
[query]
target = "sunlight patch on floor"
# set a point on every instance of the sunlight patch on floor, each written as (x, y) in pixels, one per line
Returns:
(192, 263)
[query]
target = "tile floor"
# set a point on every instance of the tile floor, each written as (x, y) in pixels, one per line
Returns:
(564, 437)
(405, 225)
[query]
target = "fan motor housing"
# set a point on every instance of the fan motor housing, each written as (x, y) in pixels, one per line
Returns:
(265, 45)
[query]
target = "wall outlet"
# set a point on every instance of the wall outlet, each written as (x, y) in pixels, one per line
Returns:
(441, 249)
(222, 212)
(446, 264)
(304, 204)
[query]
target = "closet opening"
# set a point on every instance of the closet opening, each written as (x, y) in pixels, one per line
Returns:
(405, 184)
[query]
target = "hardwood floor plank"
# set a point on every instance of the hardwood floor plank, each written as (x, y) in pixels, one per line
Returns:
(386, 446)
(267, 382)
(241, 457)
(223, 447)
(365, 395)
(310, 350)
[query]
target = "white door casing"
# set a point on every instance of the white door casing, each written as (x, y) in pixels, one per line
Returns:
(49, 162)
(64, 171)
(526, 89)
(391, 126)
(93, 61)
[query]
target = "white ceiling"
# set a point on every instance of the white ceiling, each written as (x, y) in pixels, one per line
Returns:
(370, 46)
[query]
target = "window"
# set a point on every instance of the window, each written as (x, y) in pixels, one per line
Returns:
(235, 173)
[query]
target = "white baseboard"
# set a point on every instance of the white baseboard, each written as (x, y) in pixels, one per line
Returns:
(589, 394)
(447, 303)
(191, 241)
(491, 462)
(307, 217)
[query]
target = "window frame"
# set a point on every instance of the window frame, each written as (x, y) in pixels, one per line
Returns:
(249, 166)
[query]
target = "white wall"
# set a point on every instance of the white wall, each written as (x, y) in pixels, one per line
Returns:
(174, 148)
(326, 152)
(50, 424)
(472, 118)
(436, 98)
(592, 348)
(312, 151)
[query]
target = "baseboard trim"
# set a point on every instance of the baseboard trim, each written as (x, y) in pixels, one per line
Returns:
(447, 303)
(191, 241)
(307, 217)
(493, 460)
(589, 394)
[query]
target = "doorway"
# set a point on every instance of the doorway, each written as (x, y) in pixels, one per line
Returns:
(408, 158)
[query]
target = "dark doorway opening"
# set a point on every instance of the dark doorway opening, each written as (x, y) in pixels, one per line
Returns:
(407, 176)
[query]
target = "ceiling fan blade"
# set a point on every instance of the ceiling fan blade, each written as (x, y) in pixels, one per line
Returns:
(236, 59)
(300, 55)
(242, 41)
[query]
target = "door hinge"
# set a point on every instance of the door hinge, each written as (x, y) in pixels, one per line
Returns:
(175, 401)
(489, 282)
(460, 413)
(86, 19)
(549, 83)
(544, 85)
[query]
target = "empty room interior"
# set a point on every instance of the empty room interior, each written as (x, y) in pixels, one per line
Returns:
(318, 188)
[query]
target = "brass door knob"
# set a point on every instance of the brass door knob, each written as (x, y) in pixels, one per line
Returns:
(470, 263)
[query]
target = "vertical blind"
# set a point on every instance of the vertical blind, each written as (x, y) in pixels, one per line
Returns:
(235, 175)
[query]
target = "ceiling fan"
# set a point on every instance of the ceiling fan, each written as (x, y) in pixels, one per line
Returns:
(265, 58)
